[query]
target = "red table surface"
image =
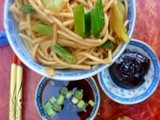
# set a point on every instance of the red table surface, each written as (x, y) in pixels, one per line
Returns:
(147, 29)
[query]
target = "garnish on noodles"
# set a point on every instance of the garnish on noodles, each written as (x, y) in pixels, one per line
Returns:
(90, 31)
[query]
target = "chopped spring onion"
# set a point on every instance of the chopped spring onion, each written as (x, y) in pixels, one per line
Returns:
(51, 112)
(63, 53)
(97, 18)
(42, 29)
(54, 5)
(57, 107)
(108, 44)
(53, 100)
(48, 109)
(87, 25)
(27, 8)
(91, 102)
(74, 100)
(79, 19)
(47, 106)
(121, 9)
(69, 94)
(81, 104)
(54, 105)
(60, 100)
(116, 21)
(63, 90)
(78, 94)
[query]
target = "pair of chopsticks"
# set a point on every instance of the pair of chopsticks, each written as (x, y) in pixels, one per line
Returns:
(15, 107)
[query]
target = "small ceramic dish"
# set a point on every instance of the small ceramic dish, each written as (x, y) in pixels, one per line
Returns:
(138, 94)
(48, 88)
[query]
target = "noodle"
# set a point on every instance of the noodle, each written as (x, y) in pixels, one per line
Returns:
(87, 51)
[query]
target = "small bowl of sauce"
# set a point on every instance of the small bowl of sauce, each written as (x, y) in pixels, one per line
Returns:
(67, 100)
(134, 76)
(130, 69)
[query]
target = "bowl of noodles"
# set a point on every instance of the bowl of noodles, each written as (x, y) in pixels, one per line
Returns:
(66, 39)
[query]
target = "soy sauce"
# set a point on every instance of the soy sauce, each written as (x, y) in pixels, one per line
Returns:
(69, 110)
(129, 71)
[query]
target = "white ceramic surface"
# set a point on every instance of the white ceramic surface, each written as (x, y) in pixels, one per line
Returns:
(21, 51)
(139, 94)
(42, 84)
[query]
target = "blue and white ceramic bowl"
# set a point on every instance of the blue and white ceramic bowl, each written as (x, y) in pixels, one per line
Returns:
(139, 94)
(24, 55)
(53, 83)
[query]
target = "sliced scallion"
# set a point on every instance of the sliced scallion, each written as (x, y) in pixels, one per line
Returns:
(63, 90)
(87, 25)
(79, 19)
(51, 112)
(54, 5)
(78, 94)
(60, 100)
(27, 8)
(97, 18)
(74, 100)
(53, 100)
(63, 53)
(91, 102)
(47, 106)
(57, 107)
(117, 23)
(42, 29)
(69, 94)
(108, 44)
(81, 104)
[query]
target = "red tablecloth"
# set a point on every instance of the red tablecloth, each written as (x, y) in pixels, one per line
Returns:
(147, 29)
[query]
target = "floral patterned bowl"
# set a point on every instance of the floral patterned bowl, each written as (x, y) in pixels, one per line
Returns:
(23, 54)
(44, 92)
(139, 94)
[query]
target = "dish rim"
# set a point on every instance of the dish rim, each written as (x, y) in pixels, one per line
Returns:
(150, 90)
(60, 75)
(91, 82)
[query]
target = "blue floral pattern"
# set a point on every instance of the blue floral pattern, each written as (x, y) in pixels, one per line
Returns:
(132, 96)
(21, 51)
(42, 85)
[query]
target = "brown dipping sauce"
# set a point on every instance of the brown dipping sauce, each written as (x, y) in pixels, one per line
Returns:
(129, 70)
(69, 111)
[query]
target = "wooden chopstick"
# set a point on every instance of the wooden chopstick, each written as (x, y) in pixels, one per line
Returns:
(12, 102)
(15, 108)
(19, 90)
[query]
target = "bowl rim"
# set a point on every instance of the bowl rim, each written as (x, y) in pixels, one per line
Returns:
(91, 82)
(60, 75)
(153, 86)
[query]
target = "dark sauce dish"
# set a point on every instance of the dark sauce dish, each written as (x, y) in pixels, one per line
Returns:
(134, 76)
(48, 88)
(130, 69)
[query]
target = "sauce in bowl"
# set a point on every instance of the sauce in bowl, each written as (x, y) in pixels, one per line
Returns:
(129, 70)
(69, 111)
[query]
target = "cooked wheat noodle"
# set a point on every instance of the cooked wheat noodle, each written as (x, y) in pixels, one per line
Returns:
(87, 51)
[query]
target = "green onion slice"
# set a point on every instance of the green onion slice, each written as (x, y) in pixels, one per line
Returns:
(63, 90)
(27, 8)
(78, 94)
(42, 29)
(63, 53)
(108, 45)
